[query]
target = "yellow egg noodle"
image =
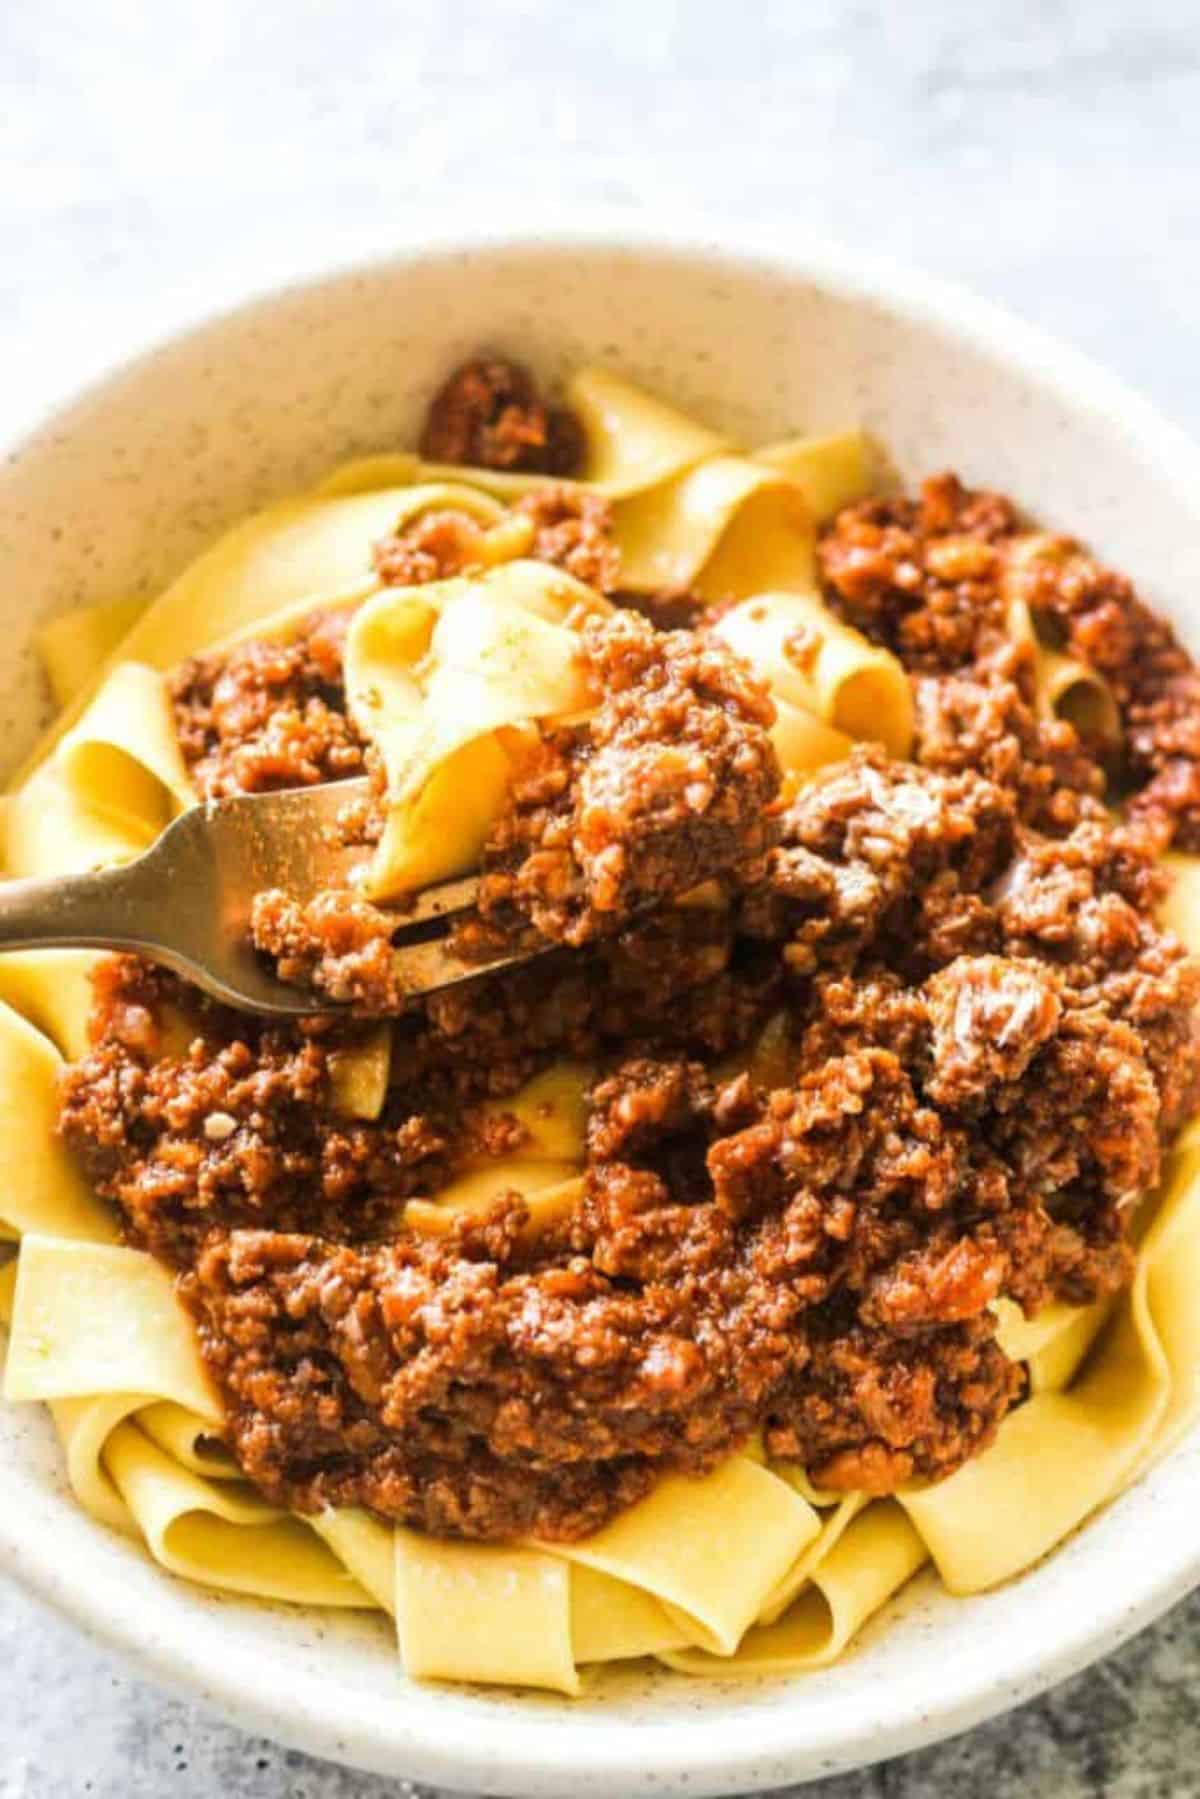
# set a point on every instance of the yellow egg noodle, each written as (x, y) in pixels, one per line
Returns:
(748, 1571)
(1065, 688)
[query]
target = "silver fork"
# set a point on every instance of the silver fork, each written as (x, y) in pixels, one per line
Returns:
(185, 902)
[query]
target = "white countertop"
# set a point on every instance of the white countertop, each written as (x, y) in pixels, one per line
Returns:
(153, 158)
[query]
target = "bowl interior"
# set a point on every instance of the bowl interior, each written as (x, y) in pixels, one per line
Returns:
(113, 494)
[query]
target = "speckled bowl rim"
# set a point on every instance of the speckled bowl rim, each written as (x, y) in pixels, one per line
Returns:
(698, 1755)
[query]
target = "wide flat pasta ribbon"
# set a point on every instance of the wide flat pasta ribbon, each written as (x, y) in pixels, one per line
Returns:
(393, 468)
(443, 678)
(359, 1073)
(92, 1318)
(1070, 690)
(72, 647)
(803, 744)
(221, 1533)
(689, 1564)
(97, 1330)
(189, 1438)
(711, 1551)
(1180, 911)
(725, 528)
(866, 1564)
(51, 830)
(476, 1611)
(634, 440)
(831, 472)
(834, 1519)
(814, 663)
(612, 1621)
(298, 553)
(41, 1187)
(1162, 1302)
(52, 989)
(727, 525)
(114, 780)
(551, 1191)
(125, 740)
(550, 1112)
(85, 1426)
(1064, 687)
(1053, 1344)
(689, 511)
(365, 1546)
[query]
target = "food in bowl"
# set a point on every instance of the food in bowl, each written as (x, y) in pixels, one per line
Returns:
(822, 1204)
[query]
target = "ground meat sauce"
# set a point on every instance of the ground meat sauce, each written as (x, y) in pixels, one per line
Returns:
(573, 531)
(268, 714)
(565, 526)
(336, 944)
(669, 783)
(923, 576)
(934, 579)
(489, 414)
(920, 1047)
(434, 546)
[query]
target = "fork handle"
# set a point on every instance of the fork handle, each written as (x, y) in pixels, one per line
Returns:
(99, 910)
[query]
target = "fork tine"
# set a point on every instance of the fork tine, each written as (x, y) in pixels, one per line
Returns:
(430, 967)
(442, 904)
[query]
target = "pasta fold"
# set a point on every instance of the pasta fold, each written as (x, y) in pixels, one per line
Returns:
(446, 679)
(723, 529)
(221, 1533)
(1066, 688)
(634, 440)
(73, 646)
(710, 1550)
(865, 1565)
(41, 1189)
(631, 441)
(816, 664)
(831, 472)
(550, 1111)
(109, 786)
(92, 1318)
(52, 990)
(97, 1331)
(304, 552)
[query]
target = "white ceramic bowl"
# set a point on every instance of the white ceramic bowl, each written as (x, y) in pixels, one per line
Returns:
(119, 487)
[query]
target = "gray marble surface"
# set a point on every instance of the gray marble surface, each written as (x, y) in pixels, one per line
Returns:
(155, 156)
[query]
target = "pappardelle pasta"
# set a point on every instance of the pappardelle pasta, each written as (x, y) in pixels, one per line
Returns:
(827, 1206)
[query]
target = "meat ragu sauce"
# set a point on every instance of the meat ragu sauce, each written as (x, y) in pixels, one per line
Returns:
(921, 1048)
